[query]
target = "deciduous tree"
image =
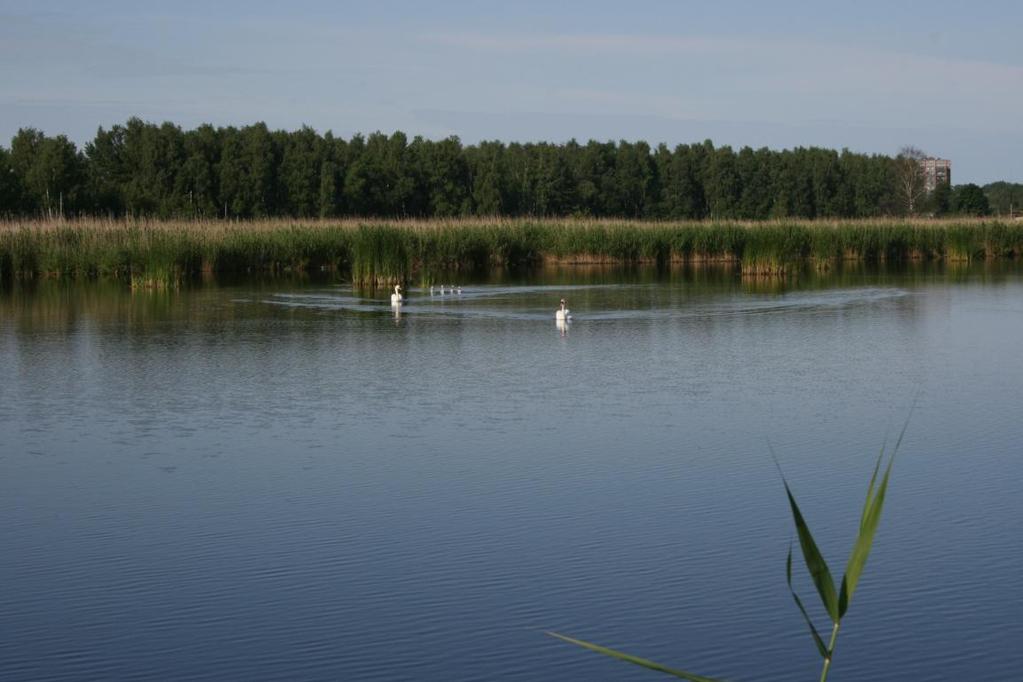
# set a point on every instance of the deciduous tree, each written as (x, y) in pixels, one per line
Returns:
(910, 181)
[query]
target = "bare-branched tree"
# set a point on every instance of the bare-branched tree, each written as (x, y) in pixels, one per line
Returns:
(910, 181)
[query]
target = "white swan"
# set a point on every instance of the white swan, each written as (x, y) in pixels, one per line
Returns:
(431, 290)
(396, 296)
(459, 291)
(562, 314)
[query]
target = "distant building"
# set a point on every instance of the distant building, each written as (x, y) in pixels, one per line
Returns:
(935, 171)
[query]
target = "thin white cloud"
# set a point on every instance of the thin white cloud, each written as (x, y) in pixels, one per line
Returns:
(779, 77)
(569, 42)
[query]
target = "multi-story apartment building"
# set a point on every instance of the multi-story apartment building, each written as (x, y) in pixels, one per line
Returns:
(935, 171)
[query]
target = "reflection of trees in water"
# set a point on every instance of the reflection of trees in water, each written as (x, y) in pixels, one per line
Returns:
(55, 306)
(61, 306)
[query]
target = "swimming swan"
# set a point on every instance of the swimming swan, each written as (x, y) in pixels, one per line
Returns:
(562, 314)
(396, 296)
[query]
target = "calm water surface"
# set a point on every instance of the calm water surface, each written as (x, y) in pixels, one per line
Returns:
(285, 480)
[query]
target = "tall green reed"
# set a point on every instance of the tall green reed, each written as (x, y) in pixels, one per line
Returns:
(835, 600)
(387, 252)
(380, 255)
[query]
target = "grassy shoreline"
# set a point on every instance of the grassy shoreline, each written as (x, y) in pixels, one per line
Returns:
(379, 252)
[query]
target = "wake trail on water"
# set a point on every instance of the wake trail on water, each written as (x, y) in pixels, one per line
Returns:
(530, 303)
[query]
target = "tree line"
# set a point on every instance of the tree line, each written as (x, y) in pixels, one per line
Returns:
(144, 169)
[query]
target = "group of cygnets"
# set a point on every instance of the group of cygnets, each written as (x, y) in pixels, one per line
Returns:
(451, 289)
(398, 299)
(561, 314)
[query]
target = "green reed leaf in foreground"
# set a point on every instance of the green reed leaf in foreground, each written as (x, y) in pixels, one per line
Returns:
(815, 563)
(834, 603)
(836, 606)
(821, 646)
(869, 521)
(636, 660)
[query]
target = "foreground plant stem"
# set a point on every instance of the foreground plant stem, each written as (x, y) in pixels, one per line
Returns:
(831, 652)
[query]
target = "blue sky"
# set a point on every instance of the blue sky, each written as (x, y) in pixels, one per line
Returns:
(871, 76)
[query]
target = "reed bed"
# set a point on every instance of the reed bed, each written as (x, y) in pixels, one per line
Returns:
(381, 252)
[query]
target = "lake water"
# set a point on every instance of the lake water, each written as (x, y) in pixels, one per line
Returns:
(285, 480)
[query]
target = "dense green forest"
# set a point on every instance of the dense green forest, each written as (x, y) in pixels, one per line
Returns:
(144, 169)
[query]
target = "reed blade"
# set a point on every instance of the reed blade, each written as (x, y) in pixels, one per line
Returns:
(872, 508)
(635, 660)
(815, 563)
(864, 541)
(821, 647)
(870, 488)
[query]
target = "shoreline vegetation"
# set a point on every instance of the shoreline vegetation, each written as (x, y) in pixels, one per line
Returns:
(165, 254)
